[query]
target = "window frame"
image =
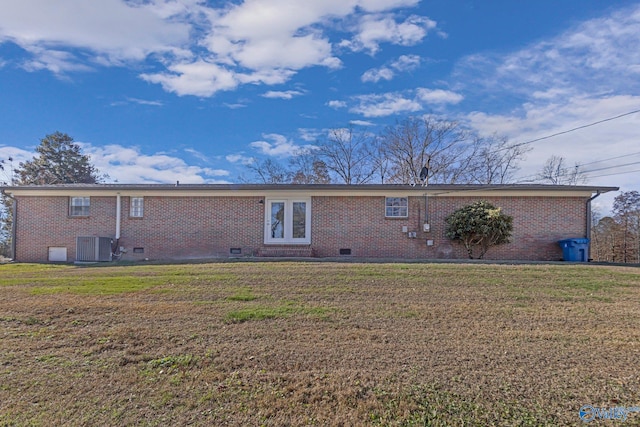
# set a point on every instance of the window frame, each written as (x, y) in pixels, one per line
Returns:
(288, 227)
(136, 211)
(79, 210)
(393, 207)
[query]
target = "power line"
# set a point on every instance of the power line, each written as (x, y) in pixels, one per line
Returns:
(611, 167)
(610, 158)
(578, 165)
(569, 130)
(617, 173)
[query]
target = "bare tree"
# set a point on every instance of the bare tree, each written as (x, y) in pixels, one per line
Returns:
(606, 236)
(268, 171)
(626, 212)
(494, 160)
(308, 168)
(346, 153)
(555, 171)
(443, 146)
(379, 160)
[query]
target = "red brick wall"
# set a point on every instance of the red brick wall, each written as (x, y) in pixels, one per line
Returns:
(359, 224)
(43, 222)
(538, 224)
(192, 227)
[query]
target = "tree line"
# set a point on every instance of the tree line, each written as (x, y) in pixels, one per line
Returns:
(451, 154)
(616, 238)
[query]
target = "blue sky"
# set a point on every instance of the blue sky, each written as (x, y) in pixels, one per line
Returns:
(190, 90)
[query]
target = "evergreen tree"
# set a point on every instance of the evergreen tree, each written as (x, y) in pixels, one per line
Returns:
(59, 160)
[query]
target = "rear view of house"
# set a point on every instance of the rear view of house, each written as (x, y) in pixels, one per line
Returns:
(102, 222)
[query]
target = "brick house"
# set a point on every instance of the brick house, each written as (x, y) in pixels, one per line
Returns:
(80, 222)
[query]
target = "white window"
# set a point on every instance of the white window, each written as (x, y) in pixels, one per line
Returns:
(288, 221)
(136, 209)
(396, 207)
(79, 206)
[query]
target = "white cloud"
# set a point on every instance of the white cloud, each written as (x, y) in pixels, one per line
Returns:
(362, 123)
(235, 106)
(129, 165)
(146, 102)
(198, 78)
(193, 47)
(374, 75)
(404, 63)
(600, 55)
(387, 104)
(291, 53)
(113, 30)
(240, 158)
(309, 135)
(615, 138)
(374, 29)
(277, 145)
(337, 104)
(198, 155)
(138, 101)
(56, 61)
(438, 96)
(584, 75)
(288, 94)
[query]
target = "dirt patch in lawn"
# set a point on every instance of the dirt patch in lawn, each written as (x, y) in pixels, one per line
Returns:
(280, 344)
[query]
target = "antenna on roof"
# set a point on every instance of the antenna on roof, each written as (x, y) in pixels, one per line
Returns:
(424, 176)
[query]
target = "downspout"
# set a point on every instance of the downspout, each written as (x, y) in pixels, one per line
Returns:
(426, 211)
(14, 222)
(115, 247)
(118, 215)
(588, 236)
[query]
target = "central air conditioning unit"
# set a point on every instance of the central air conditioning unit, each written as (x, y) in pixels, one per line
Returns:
(93, 249)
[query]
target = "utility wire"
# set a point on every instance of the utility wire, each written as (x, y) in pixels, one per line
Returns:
(610, 158)
(569, 130)
(568, 168)
(617, 173)
(523, 179)
(611, 167)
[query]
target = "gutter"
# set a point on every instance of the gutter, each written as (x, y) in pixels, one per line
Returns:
(14, 222)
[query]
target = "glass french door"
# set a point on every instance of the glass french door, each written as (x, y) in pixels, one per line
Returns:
(288, 221)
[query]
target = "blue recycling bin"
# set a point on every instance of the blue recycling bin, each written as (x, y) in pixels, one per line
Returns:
(575, 250)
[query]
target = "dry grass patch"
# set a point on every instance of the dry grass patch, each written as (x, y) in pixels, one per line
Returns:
(316, 344)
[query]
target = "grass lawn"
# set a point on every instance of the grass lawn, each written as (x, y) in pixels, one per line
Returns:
(291, 344)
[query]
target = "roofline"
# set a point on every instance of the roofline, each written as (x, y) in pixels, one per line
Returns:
(315, 189)
(343, 187)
